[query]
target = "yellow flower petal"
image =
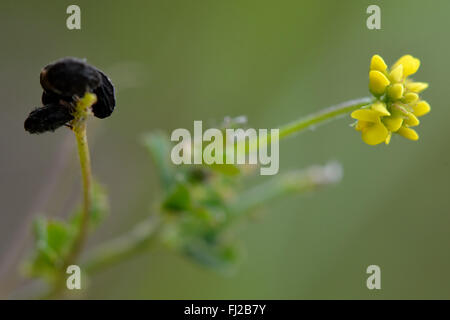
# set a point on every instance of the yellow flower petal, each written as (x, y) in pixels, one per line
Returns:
(416, 87)
(410, 64)
(388, 138)
(380, 107)
(377, 63)
(361, 125)
(408, 133)
(410, 97)
(393, 123)
(412, 120)
(366, 115)
(377, 82)
(375, 134)
(421, 108)
(395, 91)
(396, 74)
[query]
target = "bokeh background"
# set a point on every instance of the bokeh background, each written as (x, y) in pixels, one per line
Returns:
(178, 61)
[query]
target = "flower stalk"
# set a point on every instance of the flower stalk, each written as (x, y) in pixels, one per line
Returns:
(138, 240)
(303, 123)
(83, 109)
(79, 126)
(323, 116)
(85, 164)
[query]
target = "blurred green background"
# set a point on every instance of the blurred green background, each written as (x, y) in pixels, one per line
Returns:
(174, 62)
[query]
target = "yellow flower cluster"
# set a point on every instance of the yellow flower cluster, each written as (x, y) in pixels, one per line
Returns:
(397, 105)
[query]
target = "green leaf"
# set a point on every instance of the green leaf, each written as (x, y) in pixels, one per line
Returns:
(53, 241)
(54, 238)
(178, 199)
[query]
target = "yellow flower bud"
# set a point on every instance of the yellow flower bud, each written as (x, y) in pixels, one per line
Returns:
(410, 64)
(396, 74)
(408, 133)
(377, 63)
(412, 120)
(393, 123)
(377, 82)
(416, 87)
(410, 97)
(380, 107)
(395, 91)
(421, 108)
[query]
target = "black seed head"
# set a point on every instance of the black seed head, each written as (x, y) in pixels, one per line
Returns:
(48, 97)
(106, 100)
(69, 77)
(64, 81)
(47, 118)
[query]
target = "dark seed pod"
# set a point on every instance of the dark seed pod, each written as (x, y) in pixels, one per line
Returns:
(47, 118)
(49, 97)
(106, 100)
(64, 82)
(69, 77)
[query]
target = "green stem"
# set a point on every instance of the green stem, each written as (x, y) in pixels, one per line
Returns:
(138, 240)
(322, 116)
(85, 163)
(297, 126)
(298, 181)
(79, 126)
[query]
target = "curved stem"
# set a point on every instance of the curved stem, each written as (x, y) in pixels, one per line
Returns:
(79, 126)
(330, 113)
(297, 181)
(323, 116)
(136, 241)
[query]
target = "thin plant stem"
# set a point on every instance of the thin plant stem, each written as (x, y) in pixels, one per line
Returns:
(85, 164)
(297, 181)
(303, 123)
(79, 126)
(137, 241)
(330, 113)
